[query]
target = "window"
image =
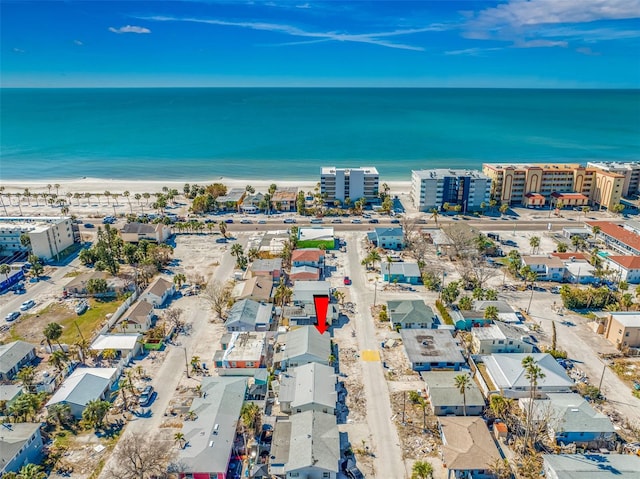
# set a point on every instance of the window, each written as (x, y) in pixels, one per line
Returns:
(326, 474)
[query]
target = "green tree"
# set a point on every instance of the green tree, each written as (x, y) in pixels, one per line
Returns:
(27, 376)
(491, 295)
(97, 286)
(617, 209)
(465, 303)
(31, 471)
(5, 269)
(52, 332)
(36, 265)
(626, 301)
(250, 416)
(95, 412)
(60, 413)
(422, 470)
(534, 242)
(503, 208)
(450, 292)
(434, 216)
(179, 438)
(462, 383)
(491, 312)
(300, 203)
(533, 373)
(562, 247)
(59, 359)
(222, 226)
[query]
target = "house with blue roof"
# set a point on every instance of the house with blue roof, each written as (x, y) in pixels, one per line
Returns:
(400, 272)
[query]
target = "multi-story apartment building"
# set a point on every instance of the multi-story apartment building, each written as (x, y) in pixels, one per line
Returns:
(630, 170)
(432, 188)
(49, 236)
(353, 183)
(540, 184)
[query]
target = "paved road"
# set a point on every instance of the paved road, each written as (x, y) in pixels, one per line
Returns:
(386, 444)
(173, 367)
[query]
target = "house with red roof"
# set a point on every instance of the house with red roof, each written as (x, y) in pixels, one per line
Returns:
(617, 237)
(627, 267)
(313, 257)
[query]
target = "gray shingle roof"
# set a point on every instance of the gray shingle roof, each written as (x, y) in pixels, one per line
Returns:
(314, 442)
(410, 311)
(274, 264)
(468, 445)
(404, 268)
(210, 436)
(593, 466)
(139, 228)
(250, 312)
(13, 436)
(311, 383)
(306, 340)
(84, 385)
(572, 413)
(12, 353)
(443, 392)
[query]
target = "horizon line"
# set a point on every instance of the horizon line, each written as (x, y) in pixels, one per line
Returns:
(319, 87)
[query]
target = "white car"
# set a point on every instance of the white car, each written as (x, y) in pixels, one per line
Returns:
(27, 305)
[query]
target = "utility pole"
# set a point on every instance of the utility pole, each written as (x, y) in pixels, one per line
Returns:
(186, 361)
(404, 405)
(602, 378)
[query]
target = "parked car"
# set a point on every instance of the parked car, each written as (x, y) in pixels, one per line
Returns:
(27, 304)
(289, 220)
(221, 240)
(395, 221)
(89, 225)
(12, 316)
(229, 220)
(356, 221)
(262, 222)
(336, 220)
(374, 220)
(316, 220)
(246, 221)
(146, 397)
(346, 280)
(82, 307)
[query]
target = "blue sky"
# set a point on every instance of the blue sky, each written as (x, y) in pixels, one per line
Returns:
(508, 43)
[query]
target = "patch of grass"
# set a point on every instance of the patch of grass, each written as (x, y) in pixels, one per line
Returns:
(328, 244)
(483, 371)
(89, 321)
(62, 439)
(72, 274)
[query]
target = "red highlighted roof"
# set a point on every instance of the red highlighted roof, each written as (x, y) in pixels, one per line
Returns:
(617, 232)
(627, 262)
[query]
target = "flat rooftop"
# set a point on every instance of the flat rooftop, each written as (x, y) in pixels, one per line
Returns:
(431, 345)
(331, 170)
(439, 173)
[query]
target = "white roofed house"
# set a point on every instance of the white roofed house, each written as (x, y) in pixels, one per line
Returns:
(500, 338)
(387, 238)
(432, 349)
(137, 319)
(305, 445)
(210, 436)
(249, 315)
(82, 386)
(13, 357)
(242, 353)
(509, 377)
(135, 232)
(20, 444)
(310, 387)
(547, 267)
(302, 346)
(158, 292)
(127, 345)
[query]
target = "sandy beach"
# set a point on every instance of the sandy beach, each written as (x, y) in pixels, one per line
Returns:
(98, 204)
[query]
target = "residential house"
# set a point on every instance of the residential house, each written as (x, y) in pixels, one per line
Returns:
(232, 200)
(302, 346)
(509, 377)
(506, 313)
(627, 267)
(444, 245)
(401, 272)
(9, 393)
(251, 203)
(20, 444)
(306, 314)
(284, 199)
(467, 320)
(136, 232)
(500, 338)
(547, 267)
(624, 240)
(211, 435)
(445, 398)
(257, 288)
(623, 329)
(304, 273)
(13, 357)
(387, 238)
(308, 257)
(127, 346)
(590, 466)
(242, 353)
(271, 268)
(304, 291)
(468, 450)
(580, 272)
(305, 445)
(569, 418)
(158, 292)
(432, 349)
(309, 387)
(78, 285)
(84, 385)
(249, 315)
(410, 314)
(137, 319)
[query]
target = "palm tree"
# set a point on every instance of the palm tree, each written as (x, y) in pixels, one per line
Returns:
(108, 195)
(534, 241)
(95, 412)
(626, 301)
(58, 359)
(195, 364)
(146, 196)
(236, 250)
(533, 373)
(5, 269)
(503, 208)
(250, 415)
(562, 247)
(57, 187)
(179, 438)
(491, 295)
(434, 215)
(422, 470)
(32, 471)
(52, 332)
(465, 303)
(491, 312)
(87, 196)
(283, 294)
(595, 230)
(60, 413)
(127, 195)
(222, 226)
(463, 382)
(49, 188)
(109, 354)
(27, 376)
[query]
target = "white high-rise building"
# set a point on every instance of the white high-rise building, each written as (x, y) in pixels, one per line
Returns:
(432, 188)
(352, 183)
(49, 236)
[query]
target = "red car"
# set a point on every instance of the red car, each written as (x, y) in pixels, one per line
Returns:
(347, 281)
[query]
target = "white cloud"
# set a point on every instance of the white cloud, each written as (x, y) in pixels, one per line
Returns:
(541, 44)
(588, 51)
(371, 38)
(129, 29)
(304, 5)
(78, 42)
(473, 52)
(19, 50)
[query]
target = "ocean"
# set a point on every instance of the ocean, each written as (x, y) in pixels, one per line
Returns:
(289, 133)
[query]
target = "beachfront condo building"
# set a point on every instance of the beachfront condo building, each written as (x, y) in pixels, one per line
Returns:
(353, 183)
(49, 236)
(543, 184)
(630, 170)
(467, 189)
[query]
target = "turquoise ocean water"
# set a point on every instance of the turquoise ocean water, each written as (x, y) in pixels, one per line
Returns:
(288, 133)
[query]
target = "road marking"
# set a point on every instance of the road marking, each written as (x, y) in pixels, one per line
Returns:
(370, 355)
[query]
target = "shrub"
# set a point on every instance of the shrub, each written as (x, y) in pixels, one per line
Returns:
(444, 313)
